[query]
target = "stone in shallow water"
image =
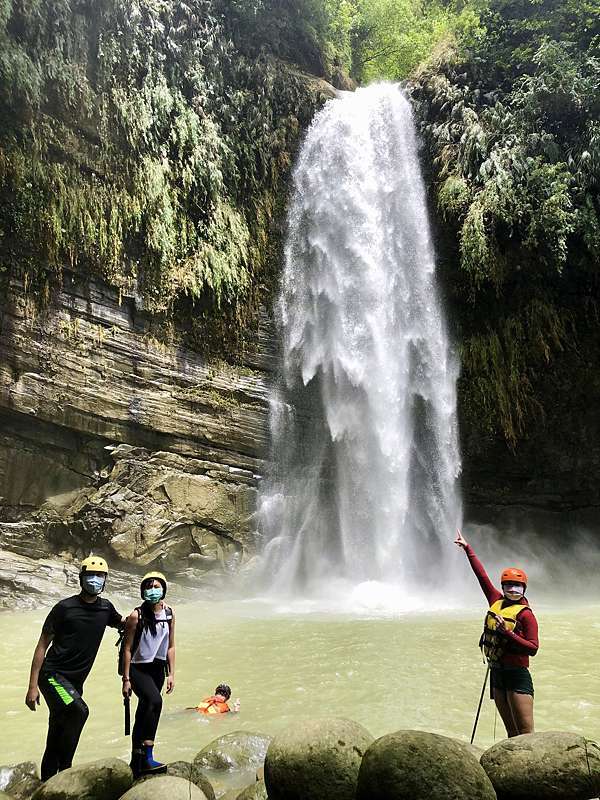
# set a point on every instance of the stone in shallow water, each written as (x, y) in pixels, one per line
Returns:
(552, 765)
(240, 750)
(256, 791)
(106, 779)
(164, 787)
(19, 780)
(317, 759)
(416, 765)
(183, 769)
(232, 794)
(187, 771)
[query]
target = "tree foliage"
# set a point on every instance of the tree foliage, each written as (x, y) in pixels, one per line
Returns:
(393, 37)
(511, 127)
(138, 145)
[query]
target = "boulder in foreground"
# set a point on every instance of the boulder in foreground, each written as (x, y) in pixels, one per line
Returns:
(421, 766)
(106, 779)
(552, 765)
(317, 759)
(183, 769)
(165, 787)
(20, 780)
(240, 750)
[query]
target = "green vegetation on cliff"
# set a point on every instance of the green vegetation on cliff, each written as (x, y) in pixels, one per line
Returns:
(138, 145)
(510, 121)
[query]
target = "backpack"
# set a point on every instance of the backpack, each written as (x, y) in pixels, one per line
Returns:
(120, 643)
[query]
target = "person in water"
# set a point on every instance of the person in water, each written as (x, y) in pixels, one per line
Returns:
(63, 658)
(510, 637)
(148, 659)
(217, 703)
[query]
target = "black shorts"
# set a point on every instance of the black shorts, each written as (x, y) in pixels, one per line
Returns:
(511, 679)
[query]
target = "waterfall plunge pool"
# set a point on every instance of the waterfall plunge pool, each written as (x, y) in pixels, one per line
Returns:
(418, 670)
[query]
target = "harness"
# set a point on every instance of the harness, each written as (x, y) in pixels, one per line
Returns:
(120, 643)
(493, 644)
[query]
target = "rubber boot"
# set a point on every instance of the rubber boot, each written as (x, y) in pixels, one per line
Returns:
(150, 763)
(138, 760)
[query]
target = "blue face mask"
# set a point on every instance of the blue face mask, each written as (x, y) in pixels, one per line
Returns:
(153, 595)
(92, 584)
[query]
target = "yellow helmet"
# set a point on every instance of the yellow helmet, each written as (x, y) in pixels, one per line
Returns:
(93, 564)
(158, 576)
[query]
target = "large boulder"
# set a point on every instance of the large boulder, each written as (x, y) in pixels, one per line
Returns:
(256, 791)
(240, 750)
(165, 787)
(552, 765)
(417, 765)
(20, 780)
(106, 779)
(317, 759)
(183, 769)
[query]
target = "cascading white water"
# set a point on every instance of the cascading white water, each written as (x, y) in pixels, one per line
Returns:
(363, 421)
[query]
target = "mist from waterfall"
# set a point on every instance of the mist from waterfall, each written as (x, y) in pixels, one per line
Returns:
(364, 485)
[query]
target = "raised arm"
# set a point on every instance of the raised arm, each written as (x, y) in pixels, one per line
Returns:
(492, 594)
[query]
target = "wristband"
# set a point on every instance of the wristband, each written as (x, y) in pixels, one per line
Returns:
(125, 680)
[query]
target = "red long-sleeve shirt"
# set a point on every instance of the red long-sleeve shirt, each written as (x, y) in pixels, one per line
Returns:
(524, 638)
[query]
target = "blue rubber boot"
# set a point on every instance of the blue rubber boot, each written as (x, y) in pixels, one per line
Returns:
(151, 765)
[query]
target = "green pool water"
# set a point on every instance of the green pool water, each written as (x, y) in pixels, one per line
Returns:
(419, 670)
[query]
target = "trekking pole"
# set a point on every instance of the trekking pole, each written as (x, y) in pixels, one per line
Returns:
(127, 715)
(487, 672)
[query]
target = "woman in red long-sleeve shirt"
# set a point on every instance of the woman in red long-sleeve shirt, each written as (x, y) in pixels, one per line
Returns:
(511, 684)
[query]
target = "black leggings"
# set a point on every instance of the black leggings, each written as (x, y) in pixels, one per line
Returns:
(147, 681)
(68, 715)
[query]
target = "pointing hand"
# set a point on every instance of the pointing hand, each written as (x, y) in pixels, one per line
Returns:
(460, 540)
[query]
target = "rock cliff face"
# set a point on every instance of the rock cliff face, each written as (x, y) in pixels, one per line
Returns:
(118, 438)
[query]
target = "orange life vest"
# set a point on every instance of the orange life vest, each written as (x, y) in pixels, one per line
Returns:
(211, 705)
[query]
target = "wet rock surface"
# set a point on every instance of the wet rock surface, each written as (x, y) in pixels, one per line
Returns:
(19, 780)
(421, 766)
(166, 787)
(256, 791)
(239, 750)
(551, 765)
(183, 769)
(318, 758)
(117, 438)
(106, 779)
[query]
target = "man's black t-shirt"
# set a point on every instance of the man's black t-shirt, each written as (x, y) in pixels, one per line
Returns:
(77, 629)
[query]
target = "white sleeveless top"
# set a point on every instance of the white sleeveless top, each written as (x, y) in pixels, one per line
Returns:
(151, 647)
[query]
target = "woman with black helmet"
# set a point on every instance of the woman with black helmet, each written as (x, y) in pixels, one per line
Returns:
(148, 658)
(509, 638)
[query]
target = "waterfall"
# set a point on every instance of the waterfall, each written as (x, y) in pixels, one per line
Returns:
(364, 432)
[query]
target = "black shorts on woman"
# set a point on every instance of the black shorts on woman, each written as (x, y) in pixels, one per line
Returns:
(510, 679)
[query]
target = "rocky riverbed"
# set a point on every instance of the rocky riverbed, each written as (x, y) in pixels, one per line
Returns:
(338, 759)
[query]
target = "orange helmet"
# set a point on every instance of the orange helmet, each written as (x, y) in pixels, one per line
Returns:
(513, 575)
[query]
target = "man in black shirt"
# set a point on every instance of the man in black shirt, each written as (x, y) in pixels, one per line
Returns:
(72, 631)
